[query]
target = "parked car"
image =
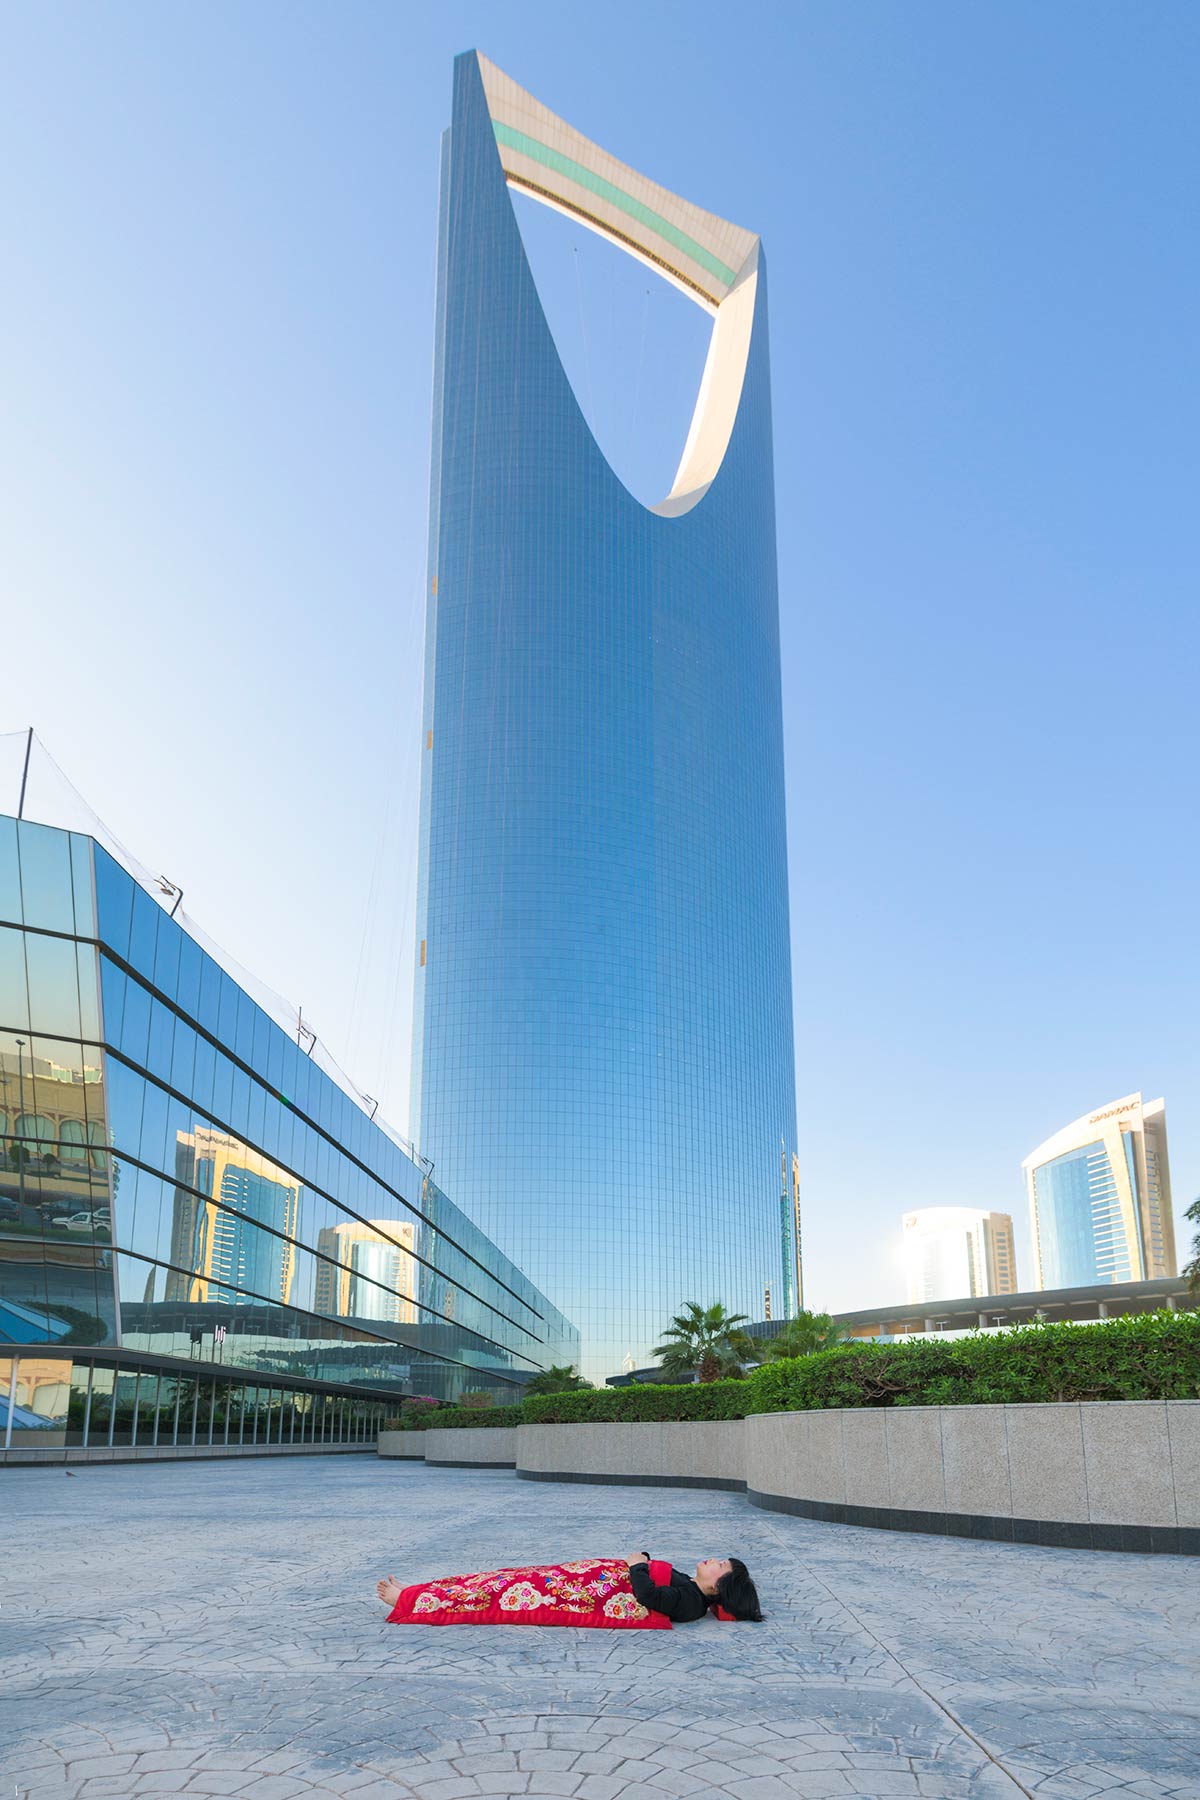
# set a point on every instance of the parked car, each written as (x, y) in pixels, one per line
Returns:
(79, 1222)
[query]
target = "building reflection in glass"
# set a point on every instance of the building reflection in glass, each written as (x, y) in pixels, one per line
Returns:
(226, 1191)
(370, 1272)
(56, 1282)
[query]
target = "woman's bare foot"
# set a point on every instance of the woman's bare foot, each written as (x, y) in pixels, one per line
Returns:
(388, 1591)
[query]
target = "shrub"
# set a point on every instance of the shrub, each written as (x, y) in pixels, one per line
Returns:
(417, 1410)
(1151, 1356)
(702, 1400)
(458, 1418)
(477, 1399)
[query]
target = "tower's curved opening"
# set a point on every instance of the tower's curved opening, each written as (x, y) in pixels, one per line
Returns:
(633, 346)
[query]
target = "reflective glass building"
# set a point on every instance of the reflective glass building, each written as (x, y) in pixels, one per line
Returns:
(1100, 1198)
(203, 1238)
(603, 1059)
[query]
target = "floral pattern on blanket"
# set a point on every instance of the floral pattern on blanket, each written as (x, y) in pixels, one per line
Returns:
(595, 1594)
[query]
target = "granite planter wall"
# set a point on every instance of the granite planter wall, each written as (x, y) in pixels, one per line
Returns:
(1104, 1475)
(482, 1447)
(707, 1454)
(407, 1446)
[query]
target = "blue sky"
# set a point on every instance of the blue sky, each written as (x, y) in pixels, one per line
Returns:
(215, 344)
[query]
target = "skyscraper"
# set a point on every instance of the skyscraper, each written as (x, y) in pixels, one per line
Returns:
(954, 1252)
(603, 1062)
(1099, 1198)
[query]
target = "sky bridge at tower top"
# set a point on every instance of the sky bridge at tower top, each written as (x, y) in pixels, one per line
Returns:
(706, 257)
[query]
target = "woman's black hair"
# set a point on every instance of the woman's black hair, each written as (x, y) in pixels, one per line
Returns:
(738, 1594)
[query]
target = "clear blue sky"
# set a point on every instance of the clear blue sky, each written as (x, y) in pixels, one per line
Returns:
(216, 335)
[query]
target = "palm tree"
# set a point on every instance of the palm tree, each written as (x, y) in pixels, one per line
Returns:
(1192, 1270)
(558, 1379)
(707, 1342)
(804, 1335)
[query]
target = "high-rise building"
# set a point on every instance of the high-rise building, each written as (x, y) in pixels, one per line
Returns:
(603, 1060)
(956, 1252)
(1099, 1196)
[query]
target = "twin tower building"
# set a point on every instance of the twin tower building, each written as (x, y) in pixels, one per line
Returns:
(603, 1066)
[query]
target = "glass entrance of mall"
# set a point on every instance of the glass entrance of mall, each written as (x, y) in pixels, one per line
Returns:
(50, 1404)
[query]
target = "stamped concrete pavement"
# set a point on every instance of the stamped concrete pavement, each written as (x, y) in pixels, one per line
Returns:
(211, 1629)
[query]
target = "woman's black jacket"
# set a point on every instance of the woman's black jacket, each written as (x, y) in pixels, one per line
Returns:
(682, 1600)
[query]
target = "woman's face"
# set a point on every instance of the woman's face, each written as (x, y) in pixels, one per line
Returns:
(710, 1570)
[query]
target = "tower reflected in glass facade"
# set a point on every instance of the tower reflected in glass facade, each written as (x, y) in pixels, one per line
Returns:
(603, 1061)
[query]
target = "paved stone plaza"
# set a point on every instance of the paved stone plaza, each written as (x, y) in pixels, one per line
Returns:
(211, 1628)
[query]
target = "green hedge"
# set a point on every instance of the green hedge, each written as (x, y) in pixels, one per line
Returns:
(1152, 1356)
(458, 1418)
(704, 1400)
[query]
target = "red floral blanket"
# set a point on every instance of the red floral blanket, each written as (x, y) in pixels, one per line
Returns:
(596, 1594)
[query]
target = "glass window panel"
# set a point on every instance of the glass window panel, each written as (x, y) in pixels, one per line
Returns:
(143, 934)
(183, 1058)
(228, 1010)
(87, 961)
(233, 1412)
(77, 1402)
(114, 903)
(221, 1412)
(135, 1024)
(148, 1397)
(124, 1405)
(202, 1075)
(100, 1411)
(204, 1410)
(41, 1390)
(276, 1045)
(112, 995)
(153, 1143)
(210, 995)
(188, 1395)
(166, 957)
(10, 873)
(243, 1041)
(262, 1038)
(53, 985)
(14, 990)
(191, 960)
(162, 1040)
(81, 877)
(46, 888)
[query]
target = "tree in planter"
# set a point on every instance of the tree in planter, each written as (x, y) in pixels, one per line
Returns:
(707, 1342)
(558, 1379)
(805, 1335)
(1192, 1271)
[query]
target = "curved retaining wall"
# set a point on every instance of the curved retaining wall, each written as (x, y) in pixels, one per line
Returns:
(649, 1455)
(402, 1446)
(1102, 1475)
(482, 1447)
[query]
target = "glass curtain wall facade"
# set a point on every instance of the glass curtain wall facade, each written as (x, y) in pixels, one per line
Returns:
(1100, 1198)
(178, 1178)
(603, 1056)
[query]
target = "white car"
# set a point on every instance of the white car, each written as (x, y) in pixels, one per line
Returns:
(78, 1222)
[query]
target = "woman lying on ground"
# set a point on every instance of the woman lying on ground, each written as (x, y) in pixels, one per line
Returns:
(628, 1593)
